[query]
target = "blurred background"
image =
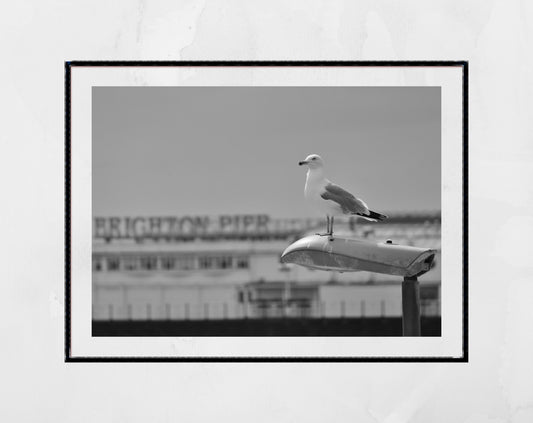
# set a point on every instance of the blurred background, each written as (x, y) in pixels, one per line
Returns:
(197, 192)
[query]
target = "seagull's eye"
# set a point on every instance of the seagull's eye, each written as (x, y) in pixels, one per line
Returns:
(314, 158)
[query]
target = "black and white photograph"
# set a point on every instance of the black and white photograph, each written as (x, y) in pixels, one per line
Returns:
(284, 213)
(197, 192)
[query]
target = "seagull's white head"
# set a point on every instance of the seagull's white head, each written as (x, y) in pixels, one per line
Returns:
(313, 161)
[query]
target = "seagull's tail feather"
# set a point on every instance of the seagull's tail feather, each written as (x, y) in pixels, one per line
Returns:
(374, 216)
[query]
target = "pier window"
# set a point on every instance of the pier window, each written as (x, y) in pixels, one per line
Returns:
(225, 262)
(205, 262)
(243, 262)
(148, 263)
(98, 264)
(185, 263)
(168, 263)
(131, 263)
(113, 264)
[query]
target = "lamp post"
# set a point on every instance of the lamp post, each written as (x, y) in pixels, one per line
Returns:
(410, 306)
(350, 255)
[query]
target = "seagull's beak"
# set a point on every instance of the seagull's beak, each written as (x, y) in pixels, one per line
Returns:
(302, 163)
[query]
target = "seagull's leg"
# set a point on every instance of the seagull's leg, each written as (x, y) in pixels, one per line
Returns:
(327, 228)
(330, 232)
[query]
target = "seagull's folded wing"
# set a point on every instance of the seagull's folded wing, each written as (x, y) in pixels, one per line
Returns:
(343, 198)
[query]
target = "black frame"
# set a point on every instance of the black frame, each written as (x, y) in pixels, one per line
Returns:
(81, 63)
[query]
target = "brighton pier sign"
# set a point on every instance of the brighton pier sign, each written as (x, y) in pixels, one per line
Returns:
(188, 226)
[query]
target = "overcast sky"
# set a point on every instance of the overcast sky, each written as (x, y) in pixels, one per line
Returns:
(234, 150)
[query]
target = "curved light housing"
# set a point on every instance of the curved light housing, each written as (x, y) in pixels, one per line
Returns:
(351, 255)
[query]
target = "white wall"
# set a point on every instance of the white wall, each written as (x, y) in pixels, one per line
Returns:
(495, 387)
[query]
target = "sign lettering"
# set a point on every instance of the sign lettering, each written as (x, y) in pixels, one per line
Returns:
(173, 226)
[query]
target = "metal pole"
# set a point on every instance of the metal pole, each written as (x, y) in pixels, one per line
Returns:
(411, 306)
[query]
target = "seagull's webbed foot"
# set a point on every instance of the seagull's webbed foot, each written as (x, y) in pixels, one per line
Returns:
(329, 228)
(328, 234)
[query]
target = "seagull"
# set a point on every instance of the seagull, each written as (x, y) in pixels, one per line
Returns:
(330, 198)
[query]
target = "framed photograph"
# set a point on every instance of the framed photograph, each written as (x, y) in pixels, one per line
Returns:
(266, 211)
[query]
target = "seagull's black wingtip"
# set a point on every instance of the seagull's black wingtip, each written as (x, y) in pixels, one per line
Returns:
(374, 215)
